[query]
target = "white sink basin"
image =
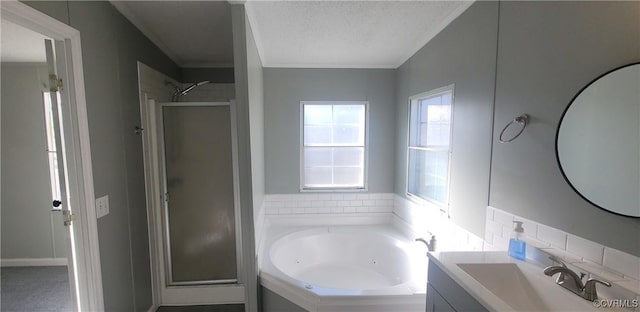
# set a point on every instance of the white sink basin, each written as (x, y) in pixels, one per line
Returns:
(524, 287)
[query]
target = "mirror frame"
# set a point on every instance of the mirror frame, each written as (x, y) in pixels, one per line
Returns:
(564, 175)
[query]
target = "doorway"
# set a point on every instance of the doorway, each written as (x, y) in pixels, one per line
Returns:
(50, 258)
(34, 240)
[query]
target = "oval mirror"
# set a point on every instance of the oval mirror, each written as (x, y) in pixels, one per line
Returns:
(598, 141)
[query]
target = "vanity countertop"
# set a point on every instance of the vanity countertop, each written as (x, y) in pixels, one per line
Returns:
(504, 279)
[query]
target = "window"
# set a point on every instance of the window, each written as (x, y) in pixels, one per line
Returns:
(333, 153)
(52, 154)
(429, 149)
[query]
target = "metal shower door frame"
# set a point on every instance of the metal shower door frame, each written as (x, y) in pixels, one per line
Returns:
(169, 282)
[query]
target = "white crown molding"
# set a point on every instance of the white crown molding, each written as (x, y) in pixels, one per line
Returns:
(253, 26)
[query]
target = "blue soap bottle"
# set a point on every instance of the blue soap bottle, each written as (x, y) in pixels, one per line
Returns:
(517, 245)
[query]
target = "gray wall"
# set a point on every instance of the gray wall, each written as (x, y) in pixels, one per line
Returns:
(110, 48)
(547, 52)
(464, 54)
(28, 230)
(283, 91)
(215, 75)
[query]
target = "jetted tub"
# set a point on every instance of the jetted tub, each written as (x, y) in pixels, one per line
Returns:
(346, 268)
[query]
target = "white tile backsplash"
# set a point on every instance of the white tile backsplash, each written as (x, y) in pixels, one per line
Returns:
(617, 267)
(587, 249)
(556, 238)
(624, 263)
(336, 203)
(530, 227)
(423, 218)
(503, 218)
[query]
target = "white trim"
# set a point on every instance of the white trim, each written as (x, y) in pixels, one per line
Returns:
(85, 228)
(152, 88)
(316, 189)
(28, 262)
(443, 206)
(147, 110)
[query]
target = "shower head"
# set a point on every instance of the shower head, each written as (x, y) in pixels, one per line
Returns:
(189, 88)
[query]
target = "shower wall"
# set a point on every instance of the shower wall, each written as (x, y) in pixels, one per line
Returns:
(213, 74)
(211, 92)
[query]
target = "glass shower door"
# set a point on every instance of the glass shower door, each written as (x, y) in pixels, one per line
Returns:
(199, 212)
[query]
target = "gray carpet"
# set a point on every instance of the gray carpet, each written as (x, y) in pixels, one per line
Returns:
(35, 289)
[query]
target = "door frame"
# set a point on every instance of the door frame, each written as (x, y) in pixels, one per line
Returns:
(154, 183)
(87, 287)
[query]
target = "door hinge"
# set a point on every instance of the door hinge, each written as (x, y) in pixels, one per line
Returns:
(55, 83)
(68, 217)
(166, 197)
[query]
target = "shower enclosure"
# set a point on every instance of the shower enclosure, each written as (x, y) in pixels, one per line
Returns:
(199, 200)
(197, 221)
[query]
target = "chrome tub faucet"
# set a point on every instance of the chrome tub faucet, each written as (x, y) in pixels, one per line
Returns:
(431, 244)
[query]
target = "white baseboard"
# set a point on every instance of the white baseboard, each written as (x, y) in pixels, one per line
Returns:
(153, 308)
(33, 262)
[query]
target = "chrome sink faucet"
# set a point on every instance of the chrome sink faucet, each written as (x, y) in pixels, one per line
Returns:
(589, 291)
(568, 279)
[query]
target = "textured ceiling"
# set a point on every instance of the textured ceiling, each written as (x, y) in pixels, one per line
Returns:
(20, 44)
(365, 34)
(191, 33)
(330, 34)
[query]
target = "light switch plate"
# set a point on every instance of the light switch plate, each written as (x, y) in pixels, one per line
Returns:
(102, 206)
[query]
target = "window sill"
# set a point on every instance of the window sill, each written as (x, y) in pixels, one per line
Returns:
(427, 203)
(334, 190)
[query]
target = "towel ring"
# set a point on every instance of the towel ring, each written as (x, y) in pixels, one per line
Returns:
(522, 120)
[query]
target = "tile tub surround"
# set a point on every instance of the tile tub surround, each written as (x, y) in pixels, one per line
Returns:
(620, 268)
(328, 203)
(423, 218)
(418, 219)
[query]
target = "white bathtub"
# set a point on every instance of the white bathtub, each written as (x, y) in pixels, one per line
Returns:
(346, 268)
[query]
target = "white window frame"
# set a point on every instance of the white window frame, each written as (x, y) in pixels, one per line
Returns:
(442, 206)
(365, 186)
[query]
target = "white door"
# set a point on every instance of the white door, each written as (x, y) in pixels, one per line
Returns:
(56, 68)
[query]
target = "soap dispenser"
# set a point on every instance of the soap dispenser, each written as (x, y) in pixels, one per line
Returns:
(517, 245)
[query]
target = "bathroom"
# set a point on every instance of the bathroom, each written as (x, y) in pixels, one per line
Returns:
(504, 59)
